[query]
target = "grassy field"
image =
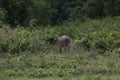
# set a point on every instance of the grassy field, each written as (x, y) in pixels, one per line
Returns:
(94, 55)
(84, 66)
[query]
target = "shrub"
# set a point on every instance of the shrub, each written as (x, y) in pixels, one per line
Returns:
(20, 40)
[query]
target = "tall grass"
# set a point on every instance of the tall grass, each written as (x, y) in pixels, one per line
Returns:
(94, 35)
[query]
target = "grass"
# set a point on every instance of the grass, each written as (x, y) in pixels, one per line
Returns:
(95, 52)
(59, 66)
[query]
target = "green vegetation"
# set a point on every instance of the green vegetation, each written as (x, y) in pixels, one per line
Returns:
(94, 55)
(99, 36)
(88, 66)
(92, 25)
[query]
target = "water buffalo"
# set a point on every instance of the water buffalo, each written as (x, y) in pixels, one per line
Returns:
(63, 42)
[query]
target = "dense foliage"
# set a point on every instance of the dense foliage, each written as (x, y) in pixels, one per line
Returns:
(99, 36)
(44, 12)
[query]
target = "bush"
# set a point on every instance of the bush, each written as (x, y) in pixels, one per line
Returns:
(19, 40)
(100, 36)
